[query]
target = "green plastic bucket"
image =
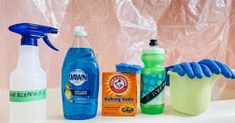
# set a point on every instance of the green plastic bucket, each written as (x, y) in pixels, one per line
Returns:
(190, 96)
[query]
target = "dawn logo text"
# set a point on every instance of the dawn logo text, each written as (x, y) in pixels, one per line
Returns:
(77, 77)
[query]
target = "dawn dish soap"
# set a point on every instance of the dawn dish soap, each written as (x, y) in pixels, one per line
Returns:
(28, 80)
(80, 79)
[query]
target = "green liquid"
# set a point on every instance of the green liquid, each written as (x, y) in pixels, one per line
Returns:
(152, 109)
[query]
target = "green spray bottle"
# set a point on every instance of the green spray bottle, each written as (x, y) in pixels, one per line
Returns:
(152, 95)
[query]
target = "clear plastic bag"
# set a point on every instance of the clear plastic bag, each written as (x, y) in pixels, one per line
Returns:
(119, 29)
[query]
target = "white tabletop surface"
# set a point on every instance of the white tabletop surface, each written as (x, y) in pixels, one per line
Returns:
(218, 112)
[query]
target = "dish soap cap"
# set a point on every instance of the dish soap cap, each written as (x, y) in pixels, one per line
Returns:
(80, 31)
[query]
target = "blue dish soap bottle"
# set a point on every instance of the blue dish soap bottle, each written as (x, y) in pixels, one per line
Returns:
(80, 79)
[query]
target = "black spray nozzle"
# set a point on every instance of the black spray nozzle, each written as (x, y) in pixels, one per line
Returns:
(153, 42)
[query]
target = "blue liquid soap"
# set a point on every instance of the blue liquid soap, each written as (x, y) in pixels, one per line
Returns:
(80, 79)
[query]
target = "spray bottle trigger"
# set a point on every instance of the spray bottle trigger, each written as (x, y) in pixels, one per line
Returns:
(47, 41)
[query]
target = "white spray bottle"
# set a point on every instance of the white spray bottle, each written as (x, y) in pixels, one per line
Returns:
(28, 80)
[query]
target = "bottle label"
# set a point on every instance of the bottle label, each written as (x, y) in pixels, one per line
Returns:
(77, 77)
(153, 89)
(73, 89)
(27, 96)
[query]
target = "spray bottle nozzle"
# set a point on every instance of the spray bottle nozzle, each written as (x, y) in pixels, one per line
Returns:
(32, 32)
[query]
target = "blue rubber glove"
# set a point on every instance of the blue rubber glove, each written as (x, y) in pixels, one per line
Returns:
(205, 67)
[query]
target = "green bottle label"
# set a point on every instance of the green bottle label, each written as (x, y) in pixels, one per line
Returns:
(152, 89)
(27, 96)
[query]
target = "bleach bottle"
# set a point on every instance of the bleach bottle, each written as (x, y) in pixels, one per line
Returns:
(153, 79)
(28, 80)
(80, 79)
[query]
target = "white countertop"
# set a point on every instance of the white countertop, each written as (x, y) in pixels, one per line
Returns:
(218, 112)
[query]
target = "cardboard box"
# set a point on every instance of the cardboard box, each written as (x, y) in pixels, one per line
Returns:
(119, 94)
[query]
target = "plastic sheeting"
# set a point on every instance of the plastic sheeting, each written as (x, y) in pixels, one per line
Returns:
(44, 12)
(118, 30)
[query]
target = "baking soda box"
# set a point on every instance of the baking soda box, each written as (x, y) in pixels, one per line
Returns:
(119, 94)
